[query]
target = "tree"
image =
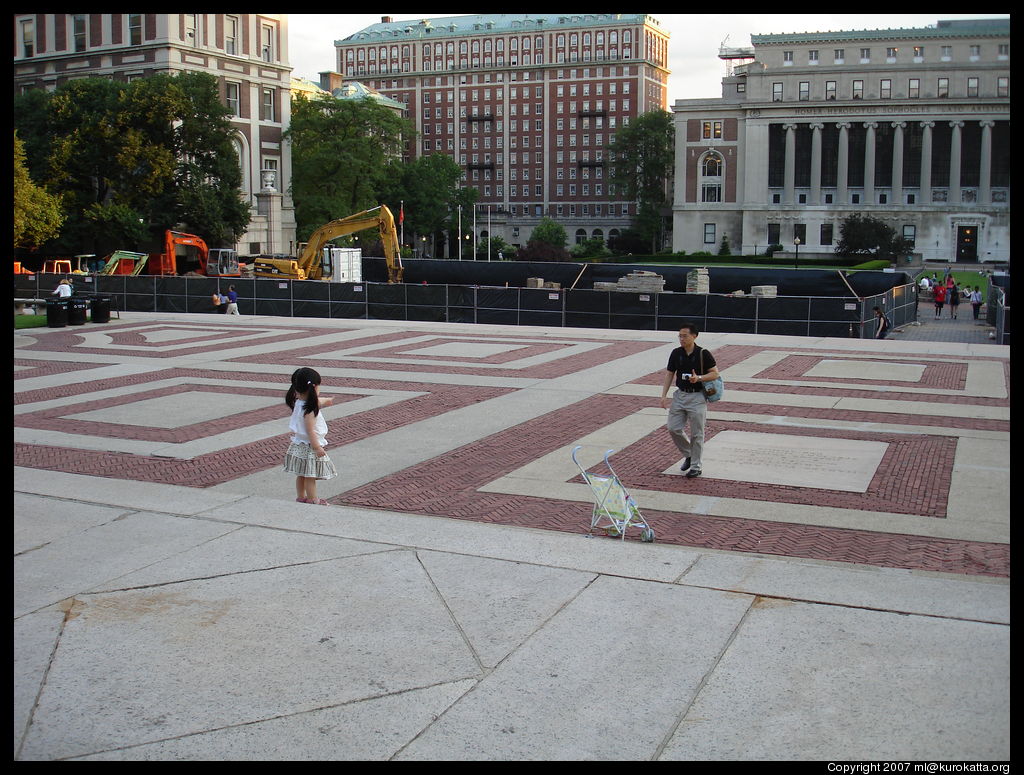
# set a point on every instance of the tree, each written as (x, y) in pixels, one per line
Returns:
(550, 232)
(642, 153)
(37, 213)
(547, 243)
(590, 248)
(156, 148)
(341, 154)
(863, 235)
(427, 187)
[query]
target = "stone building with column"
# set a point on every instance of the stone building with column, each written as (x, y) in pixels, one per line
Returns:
(910, 126)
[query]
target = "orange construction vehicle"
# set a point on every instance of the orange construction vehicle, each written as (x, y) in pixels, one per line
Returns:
(184, 253)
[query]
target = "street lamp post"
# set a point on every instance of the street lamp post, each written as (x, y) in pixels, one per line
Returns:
(796, 242)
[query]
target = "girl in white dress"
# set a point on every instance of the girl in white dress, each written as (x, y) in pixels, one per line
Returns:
(306, 456)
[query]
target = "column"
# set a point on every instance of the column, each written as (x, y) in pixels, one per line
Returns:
(897, 162)
(985, 179)
(790, 180)
(815, 197)
(843, 171)
(954, 163)
(926, 162)
(869, 162)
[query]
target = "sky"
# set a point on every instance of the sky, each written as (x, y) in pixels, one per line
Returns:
(696, 70)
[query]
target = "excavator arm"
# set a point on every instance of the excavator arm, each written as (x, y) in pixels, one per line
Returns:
(309, 264)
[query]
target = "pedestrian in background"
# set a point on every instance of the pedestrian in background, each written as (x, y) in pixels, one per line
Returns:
(976, 301)
(953, 296)
(940, 299)
(232, 301)
(883, 324)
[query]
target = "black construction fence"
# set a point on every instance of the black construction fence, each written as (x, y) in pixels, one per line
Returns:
(808, 302)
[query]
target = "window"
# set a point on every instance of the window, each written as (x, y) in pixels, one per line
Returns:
(972, 86)
(947, 53)
(910, 233)
(711, 192)
(885, 89)
(805, 91)
(267, 43)
(712, 165)
(233, 91)
(825, 234)
(774, 233)
(191, 24)
(28, 37)
(975, 53)
(865, 55)
(267, 106)
(712, 130)
(1004, 51)
(1003, 86)
(787, 57)
(812, 57)
(839, 55)
(78, 22)
(890, 54)
(830, 90)
(776, 92)
(231, 36)
(942, 88)
(135, 29)
(709, 234)
(914, 88)
(800, 232)
(858, 90)
(918, 53)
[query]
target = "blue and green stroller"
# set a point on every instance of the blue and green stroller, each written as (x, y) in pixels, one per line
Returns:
(614, 508)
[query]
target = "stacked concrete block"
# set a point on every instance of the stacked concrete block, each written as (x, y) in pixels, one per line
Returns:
(764, 290)
(698, 281)
(641, 282)
(534, 282)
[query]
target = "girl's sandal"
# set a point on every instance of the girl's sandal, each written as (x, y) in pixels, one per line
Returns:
(319, 502)
(301, 500)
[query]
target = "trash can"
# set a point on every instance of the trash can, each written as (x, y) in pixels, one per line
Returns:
(100, 309)
(78, 310)
(56, 313)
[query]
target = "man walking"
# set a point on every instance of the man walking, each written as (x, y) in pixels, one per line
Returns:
(689, 366)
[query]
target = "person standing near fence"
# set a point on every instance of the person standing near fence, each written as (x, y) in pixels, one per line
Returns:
(883, 325)
(232, 301)
(976, 301)
(688, 366)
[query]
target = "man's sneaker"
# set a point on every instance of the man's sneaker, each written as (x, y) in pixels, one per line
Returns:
(685, 466)
(693, 472)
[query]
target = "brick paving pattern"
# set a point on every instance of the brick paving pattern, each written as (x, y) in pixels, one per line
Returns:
(913, 478)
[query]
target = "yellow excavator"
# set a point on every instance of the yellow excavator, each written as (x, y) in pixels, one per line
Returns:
(310, 264)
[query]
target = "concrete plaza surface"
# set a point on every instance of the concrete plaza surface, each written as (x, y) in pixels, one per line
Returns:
(835, 586)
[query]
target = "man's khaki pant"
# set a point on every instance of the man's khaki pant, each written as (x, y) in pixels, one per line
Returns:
(692, 409)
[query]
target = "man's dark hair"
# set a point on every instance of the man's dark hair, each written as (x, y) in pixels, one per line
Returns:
(692, 326)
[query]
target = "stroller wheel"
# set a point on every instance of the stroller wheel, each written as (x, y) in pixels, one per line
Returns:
(647, 536)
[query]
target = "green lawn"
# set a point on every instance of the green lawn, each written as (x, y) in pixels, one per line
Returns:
(29, 321)
(968, 278)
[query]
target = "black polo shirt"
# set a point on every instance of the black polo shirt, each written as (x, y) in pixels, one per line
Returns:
(682, 364)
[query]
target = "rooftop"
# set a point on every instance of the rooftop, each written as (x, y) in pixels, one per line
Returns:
(496, 22)
(943, 29)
